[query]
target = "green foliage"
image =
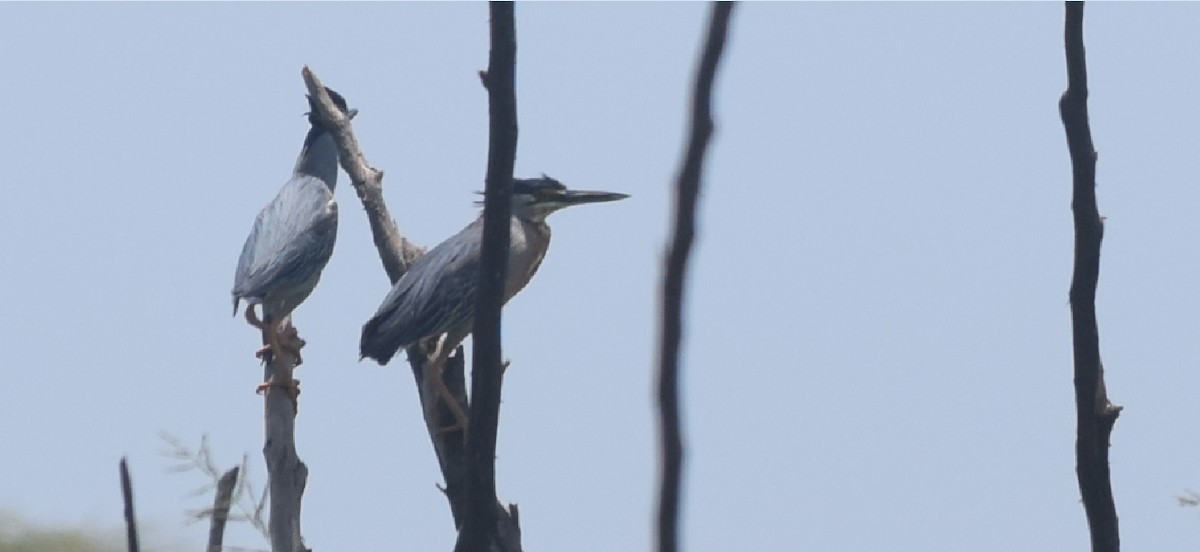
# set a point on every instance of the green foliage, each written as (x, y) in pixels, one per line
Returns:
(17, 535)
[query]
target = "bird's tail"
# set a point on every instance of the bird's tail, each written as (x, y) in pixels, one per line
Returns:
(374, 346)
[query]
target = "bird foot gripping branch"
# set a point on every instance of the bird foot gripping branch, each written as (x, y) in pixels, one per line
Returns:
(433, 380)
(282, 356)
(433, 384)
(287, 341)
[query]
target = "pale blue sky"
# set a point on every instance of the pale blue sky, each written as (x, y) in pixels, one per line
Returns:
(878, 350)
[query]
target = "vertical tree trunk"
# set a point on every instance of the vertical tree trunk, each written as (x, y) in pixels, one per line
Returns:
(1094, 414)
(481, 515)
(679, 250)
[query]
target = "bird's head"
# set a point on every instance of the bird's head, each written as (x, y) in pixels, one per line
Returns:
(535, 198)
(338, 100)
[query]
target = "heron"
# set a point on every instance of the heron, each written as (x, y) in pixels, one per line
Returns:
(292, 238)
(436, 297)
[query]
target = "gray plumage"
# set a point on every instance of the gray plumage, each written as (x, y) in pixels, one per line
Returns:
(293, 236)
(437, 294)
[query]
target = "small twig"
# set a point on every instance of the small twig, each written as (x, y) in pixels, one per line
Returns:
(479, 526)
(249, 504)
(1094, 414)
(687, 194)
(131, 532)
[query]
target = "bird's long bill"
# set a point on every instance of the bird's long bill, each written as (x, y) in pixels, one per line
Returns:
(579, 197)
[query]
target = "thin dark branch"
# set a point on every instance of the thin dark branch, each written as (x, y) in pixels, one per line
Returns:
(395, 251)
(680, 246)
(481, 513)
(1095, 415)
(220, 511)
(131, 532)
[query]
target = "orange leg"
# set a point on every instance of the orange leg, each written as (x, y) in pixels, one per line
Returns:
(434, 377)
(291, 390)
(252, 318)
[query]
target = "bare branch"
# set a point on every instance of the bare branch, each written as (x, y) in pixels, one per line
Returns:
(1095, 415)
(131, 532)
(220, 509)
(286, 473)
(397, 254)
(686, 196)
(479, 523)
(395, 251)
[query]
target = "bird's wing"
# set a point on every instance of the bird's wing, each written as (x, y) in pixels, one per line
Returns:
(292, 238)
(436, 294)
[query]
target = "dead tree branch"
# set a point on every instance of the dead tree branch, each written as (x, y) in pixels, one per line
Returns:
(479, 523)
(131, 532)
(220, 510)
(680, 246)
(287, 475)
(397, 255)
(1095, 415)
(395, 251)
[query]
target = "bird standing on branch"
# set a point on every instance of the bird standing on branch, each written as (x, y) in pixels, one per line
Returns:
(292, 239)
(438, 293)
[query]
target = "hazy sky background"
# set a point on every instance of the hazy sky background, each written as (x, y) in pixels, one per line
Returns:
(878, 349)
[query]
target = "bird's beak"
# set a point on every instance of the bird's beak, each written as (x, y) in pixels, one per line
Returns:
(580, 197)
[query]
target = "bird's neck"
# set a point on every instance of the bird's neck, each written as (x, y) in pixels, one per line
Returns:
(528, 242)
(319, 157)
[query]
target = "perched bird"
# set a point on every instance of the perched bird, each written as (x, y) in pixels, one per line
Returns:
(437, 295)
(293, 236)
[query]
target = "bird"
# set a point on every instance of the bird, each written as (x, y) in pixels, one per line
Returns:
(437, 294)
(292, 238)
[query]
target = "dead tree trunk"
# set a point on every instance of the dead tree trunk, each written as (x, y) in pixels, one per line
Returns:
(483, 516)
(1094, 414)
(687, 193)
